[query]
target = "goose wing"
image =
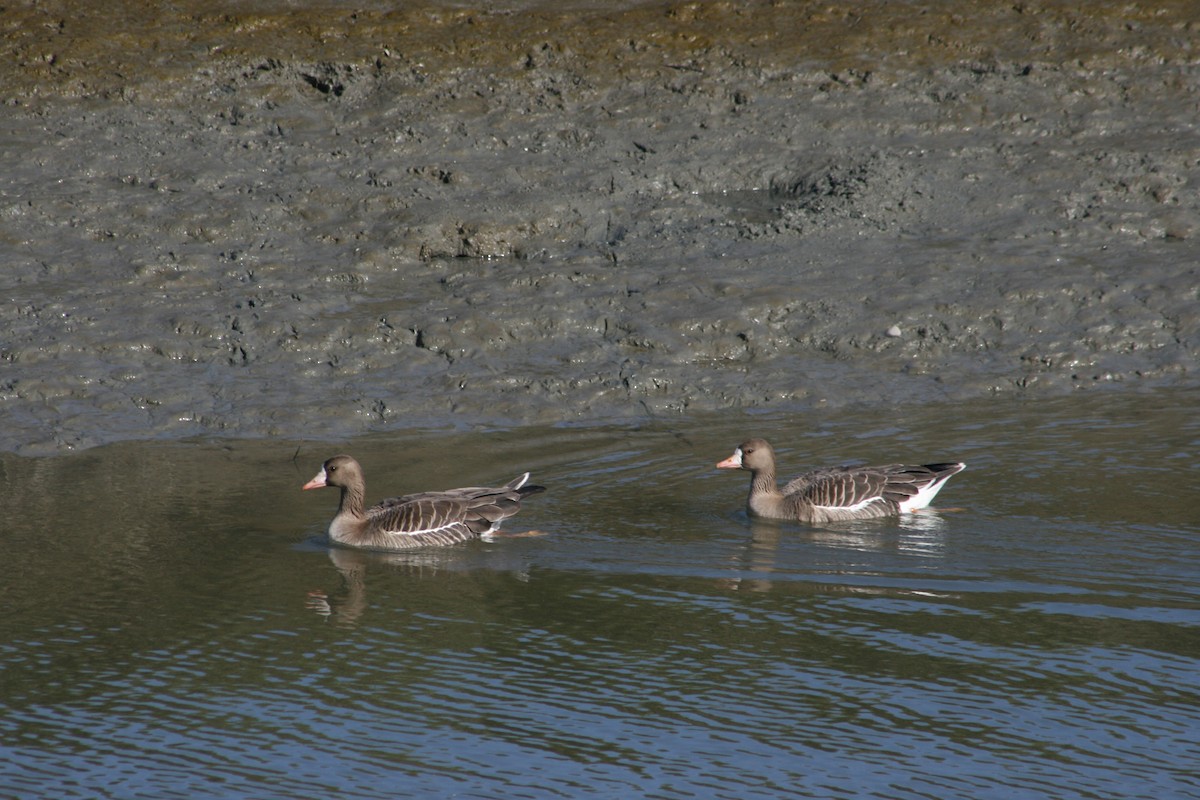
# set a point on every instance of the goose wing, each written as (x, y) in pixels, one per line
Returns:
(477, 509)
(414, 515)
(896, 487)
(842, 489)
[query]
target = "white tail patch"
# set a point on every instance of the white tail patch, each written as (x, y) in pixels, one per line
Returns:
(925, 495)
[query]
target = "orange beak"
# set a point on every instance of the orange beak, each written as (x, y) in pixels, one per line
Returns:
(733, 462)
(317, 482)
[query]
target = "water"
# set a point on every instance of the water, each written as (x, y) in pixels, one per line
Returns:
(175, 628)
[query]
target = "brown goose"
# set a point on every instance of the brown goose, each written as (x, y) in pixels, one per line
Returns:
(836, 493)
(415, 520)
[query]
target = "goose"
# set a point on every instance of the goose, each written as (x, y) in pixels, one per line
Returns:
(836, 493)
(415, 520)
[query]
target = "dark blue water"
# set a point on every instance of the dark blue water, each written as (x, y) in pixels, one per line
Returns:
(174, 628)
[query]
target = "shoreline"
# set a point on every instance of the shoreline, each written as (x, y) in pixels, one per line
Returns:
(306, 222)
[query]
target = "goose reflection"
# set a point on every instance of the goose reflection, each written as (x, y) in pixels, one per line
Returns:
(346, 605)
(919, 534)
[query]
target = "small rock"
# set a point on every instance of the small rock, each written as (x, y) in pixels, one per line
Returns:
(893, 332)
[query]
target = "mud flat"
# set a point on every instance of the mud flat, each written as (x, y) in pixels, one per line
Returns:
(266, 220)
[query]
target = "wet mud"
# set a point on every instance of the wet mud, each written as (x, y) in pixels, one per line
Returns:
(263, 220)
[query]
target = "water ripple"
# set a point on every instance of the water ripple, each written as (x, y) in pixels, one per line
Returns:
(648, 645)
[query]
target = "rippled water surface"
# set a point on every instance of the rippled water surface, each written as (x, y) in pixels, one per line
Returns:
(174, 626)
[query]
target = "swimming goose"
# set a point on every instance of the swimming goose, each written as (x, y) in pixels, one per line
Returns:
(836, 493)
(415, 520)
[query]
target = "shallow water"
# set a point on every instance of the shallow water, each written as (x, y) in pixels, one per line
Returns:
(174, 626)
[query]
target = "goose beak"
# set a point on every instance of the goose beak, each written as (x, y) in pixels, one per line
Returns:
(317, 482)
(733, 462)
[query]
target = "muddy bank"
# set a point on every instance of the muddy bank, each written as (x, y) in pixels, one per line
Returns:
(267, 221)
